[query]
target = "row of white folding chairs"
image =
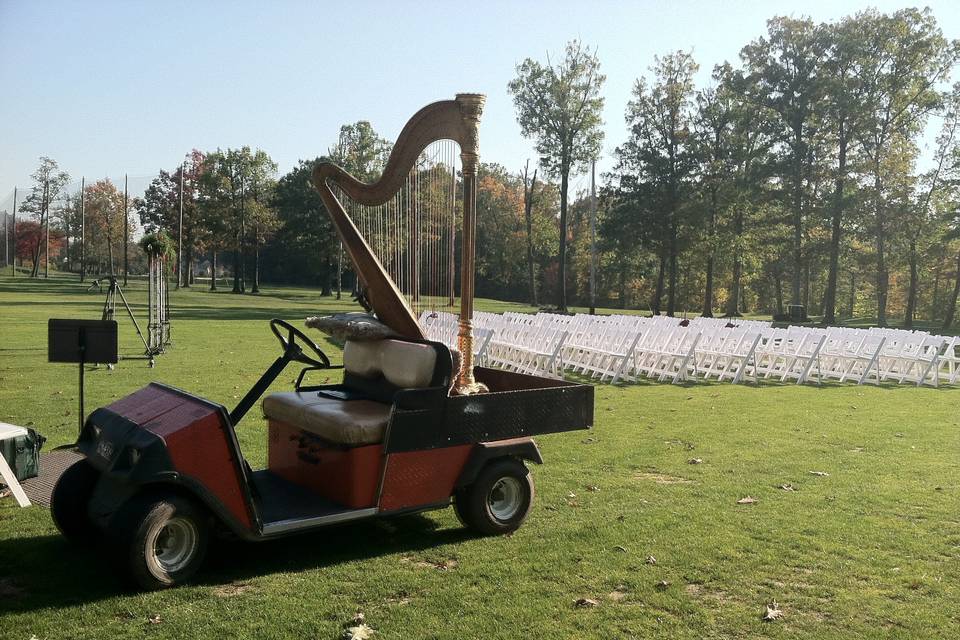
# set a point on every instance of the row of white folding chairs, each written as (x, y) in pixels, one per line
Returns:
(624, 347)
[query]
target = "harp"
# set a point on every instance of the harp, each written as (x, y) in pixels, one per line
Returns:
(399, 231)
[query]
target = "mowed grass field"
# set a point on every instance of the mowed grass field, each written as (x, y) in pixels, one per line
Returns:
(869, 547)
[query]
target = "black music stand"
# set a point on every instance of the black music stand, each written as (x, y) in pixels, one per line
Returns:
(82, 341)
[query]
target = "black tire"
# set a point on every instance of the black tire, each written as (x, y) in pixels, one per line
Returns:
(69, 502)
(499, 500)
(161, 539)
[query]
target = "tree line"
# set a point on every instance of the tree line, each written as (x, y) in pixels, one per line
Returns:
(793, 178)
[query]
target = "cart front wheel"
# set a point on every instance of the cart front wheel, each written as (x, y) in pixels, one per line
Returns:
(499, 500)
(69, 502)
(163, 540)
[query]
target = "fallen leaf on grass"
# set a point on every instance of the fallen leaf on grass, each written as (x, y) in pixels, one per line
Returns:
(773, 612)
(787, 487)
(621, 518)
(593, 488)
(747, 500)
(5, 493)
(571, 495)
(358, 632)
(695, 461)
(620, 549)
(585, 603)
(822, 474)
(662, 585)
(651, 560)
(154, 619)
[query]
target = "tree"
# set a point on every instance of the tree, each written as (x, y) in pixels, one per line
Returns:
(842, 116)
(31, 237)
(559, 106)
(48, 182)
(529, 188)
(160, 209)
(922, 216)
(228, 183)
(105, 224)
(784, 76)
(660, 152)
(714, 122)
(904, 56)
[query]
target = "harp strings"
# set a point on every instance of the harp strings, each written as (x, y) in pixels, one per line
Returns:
(414, 233)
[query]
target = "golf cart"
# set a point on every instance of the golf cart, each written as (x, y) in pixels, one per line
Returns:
(163, 471)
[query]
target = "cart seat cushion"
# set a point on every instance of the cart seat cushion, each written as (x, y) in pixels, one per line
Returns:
(405, 365)
(351, 423)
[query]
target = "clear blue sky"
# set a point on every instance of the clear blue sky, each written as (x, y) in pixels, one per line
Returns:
(108, 88)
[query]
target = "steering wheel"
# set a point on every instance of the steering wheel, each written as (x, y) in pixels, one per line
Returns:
(293, 350)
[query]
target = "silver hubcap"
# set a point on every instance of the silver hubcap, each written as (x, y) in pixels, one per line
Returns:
(505, 498)
(175, 544)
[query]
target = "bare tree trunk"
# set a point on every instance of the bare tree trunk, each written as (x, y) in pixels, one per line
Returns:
(325, 289)
(528, 213)
(883, 276)
(213, 271)
(658, 294)
(256, 264)
(707, 311)
(562, 275)
(852, 303)
(830, 296)
(672, 288)
(797, 217)
(952, 305)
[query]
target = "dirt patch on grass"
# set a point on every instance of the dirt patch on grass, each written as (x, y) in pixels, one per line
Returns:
(231, 590)
(618, 594)
(707, 594)
(662, 478)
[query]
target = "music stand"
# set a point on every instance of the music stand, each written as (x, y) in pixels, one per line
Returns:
(82, 341)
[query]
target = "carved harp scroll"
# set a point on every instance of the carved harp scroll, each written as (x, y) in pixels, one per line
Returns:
(456, 120)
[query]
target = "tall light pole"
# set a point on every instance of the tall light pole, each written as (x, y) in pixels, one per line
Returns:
(83, 228)
(593, 237)
(180, 231)
(126, 233)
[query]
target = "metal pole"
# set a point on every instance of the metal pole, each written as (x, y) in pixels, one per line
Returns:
(83, 229)
(180, 231)
(46, 229)
(14, 271)
(593, 237)
(126, 233)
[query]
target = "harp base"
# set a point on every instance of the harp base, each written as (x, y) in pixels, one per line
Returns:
(470, 388)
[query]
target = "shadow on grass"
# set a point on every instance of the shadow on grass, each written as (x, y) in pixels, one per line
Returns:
(46, 572)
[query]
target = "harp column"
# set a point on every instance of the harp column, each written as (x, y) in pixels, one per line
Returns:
(471, 108)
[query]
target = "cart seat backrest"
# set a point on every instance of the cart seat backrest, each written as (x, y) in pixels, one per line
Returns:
(405, 365)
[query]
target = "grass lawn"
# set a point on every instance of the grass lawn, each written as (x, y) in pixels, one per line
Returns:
(870, 550)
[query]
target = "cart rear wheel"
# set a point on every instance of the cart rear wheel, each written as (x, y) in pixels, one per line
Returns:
(499, 500)
(69, 502)
(162, 539)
